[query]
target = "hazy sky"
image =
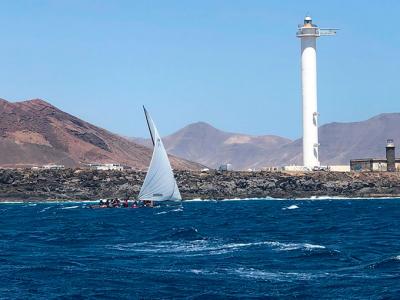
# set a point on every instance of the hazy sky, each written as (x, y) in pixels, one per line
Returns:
(234, 64)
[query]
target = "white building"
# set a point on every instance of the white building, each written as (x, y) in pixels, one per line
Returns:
(53, 167)
(295, 168)
(106, 167)
(339, 168)
(271, 169)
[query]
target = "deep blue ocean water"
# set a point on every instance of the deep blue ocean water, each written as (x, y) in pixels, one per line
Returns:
(341, 249)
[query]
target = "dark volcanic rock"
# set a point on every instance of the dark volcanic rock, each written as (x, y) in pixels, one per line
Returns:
(77, 184)
(91, 138)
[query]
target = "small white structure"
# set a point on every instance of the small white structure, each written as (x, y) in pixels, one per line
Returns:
(106, 167)
(271, 169)
(53, 167)
(339, 168)
(225, 167)
(308, 33)
(295, 168)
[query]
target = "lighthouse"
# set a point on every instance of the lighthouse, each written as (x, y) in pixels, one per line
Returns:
(308, 33)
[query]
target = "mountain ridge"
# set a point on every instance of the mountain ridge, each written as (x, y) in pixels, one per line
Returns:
(34, 132)
(340, 142)
(201, 142)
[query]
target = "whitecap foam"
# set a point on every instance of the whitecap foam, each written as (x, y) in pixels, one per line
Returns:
(312, 198)
(290, 207)
(253, 199)
(250, 274)
(200, 200)
(201, 272)
(207, 247)
(232, 199)
(397, 257)
(169, 211)
(311, 246)
(274, 276)
(70, 207)
(44, 209)
(295, 246)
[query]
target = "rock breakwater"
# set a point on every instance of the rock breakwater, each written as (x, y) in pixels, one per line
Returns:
(77, 184)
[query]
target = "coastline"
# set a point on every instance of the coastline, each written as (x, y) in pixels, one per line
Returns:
(26, 185)
(323, 198)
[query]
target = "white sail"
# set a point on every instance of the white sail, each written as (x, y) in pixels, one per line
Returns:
(159, 184)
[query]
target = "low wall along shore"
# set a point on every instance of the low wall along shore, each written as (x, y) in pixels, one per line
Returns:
(69, 184)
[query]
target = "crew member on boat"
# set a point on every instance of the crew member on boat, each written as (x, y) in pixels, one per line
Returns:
(148, 203)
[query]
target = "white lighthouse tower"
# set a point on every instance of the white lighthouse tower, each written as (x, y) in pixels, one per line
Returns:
(308, 33)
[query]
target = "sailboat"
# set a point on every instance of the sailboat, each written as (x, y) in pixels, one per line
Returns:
(159, 183)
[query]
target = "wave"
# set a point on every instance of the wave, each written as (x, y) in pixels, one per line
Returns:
(232, 199)
(70, 207)
(169, 211)
(384, 263)
(295, 246)
(199, 200)
(346, 198)
(44, 209)
(202, 272)
(290, 207)
(250, 274)
(312, 198)
(208, 247)
(275, 276)
(185, 233)
(50, 202)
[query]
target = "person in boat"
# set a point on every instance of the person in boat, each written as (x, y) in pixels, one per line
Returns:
(116, 203)
(135, 204)
(148, 203)
(108, 203)
(102, 204)
(125, 204)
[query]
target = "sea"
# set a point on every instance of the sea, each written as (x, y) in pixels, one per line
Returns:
(239, 249)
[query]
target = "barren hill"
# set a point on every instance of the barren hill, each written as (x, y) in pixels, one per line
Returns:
(35, 132)
(212, 147)
(340, 142)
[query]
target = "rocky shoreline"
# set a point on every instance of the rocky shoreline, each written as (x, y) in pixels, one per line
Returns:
(78, 184)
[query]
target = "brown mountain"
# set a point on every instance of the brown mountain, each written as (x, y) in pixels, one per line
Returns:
(35, 133)
(212, 147)
(340, 142)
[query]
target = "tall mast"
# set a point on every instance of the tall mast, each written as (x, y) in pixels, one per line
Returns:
(148, 125)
